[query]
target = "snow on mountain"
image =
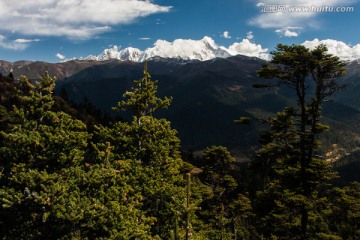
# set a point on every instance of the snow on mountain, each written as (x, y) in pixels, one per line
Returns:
(222, 52)
(130, 54)
(184, 49)
(110, 53)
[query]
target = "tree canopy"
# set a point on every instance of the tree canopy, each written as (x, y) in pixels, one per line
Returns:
(63, 175)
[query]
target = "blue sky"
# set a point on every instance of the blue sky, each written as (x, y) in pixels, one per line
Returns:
(45, 30)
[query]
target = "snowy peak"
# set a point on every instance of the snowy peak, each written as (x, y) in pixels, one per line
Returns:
(127, 54)
(183, 49)
(209, 43)
(130, 54)
(110, 53)
(186, 49)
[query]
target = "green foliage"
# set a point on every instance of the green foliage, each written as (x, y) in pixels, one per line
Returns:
(77, 202)
(345, 211)
(226, 212)
(42, 139)
(48, 190)
(151, 147)
(218, 169)
(142, 100)
(293, 176)
(126, 180)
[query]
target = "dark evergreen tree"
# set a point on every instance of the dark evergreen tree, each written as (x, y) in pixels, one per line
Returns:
(48, 190)
(344, 217)
(298, 174)
(151, 147)
(142, 100)
(226, 212)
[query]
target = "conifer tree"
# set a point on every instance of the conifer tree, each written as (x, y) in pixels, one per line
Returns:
(344, 216)
(151, 147)
(142, 100)
(42, 138)
(226, 211)
(299, 174)
(48, 190)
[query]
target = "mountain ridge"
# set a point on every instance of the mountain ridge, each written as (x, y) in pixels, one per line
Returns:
(184, 49)
(208, 96)
(206, 49)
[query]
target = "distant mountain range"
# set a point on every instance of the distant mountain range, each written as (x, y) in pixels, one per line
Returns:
(184, 49)
(208, 96)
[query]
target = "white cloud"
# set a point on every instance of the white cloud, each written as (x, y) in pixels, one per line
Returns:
(144, 38)
(289, 31)
(250, 35)
(60, 56)
(338, 48)
(203, 49)
(226, 34)
(182, 48)
(278, 14)
(12, 45)
(247, 48)
(21, 40)
(78, 19)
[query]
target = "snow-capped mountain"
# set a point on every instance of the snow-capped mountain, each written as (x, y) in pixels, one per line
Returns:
(109, 54)
(130, 54)
(204, 49)
(183, 49)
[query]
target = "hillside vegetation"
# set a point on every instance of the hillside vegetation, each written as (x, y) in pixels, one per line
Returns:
(68, 171)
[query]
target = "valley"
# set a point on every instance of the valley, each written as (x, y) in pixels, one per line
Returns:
(207, 97)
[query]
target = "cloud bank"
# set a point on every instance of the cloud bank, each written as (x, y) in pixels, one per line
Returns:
(75, 19)
(204, 49)
(247, 48)
(338, 48)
